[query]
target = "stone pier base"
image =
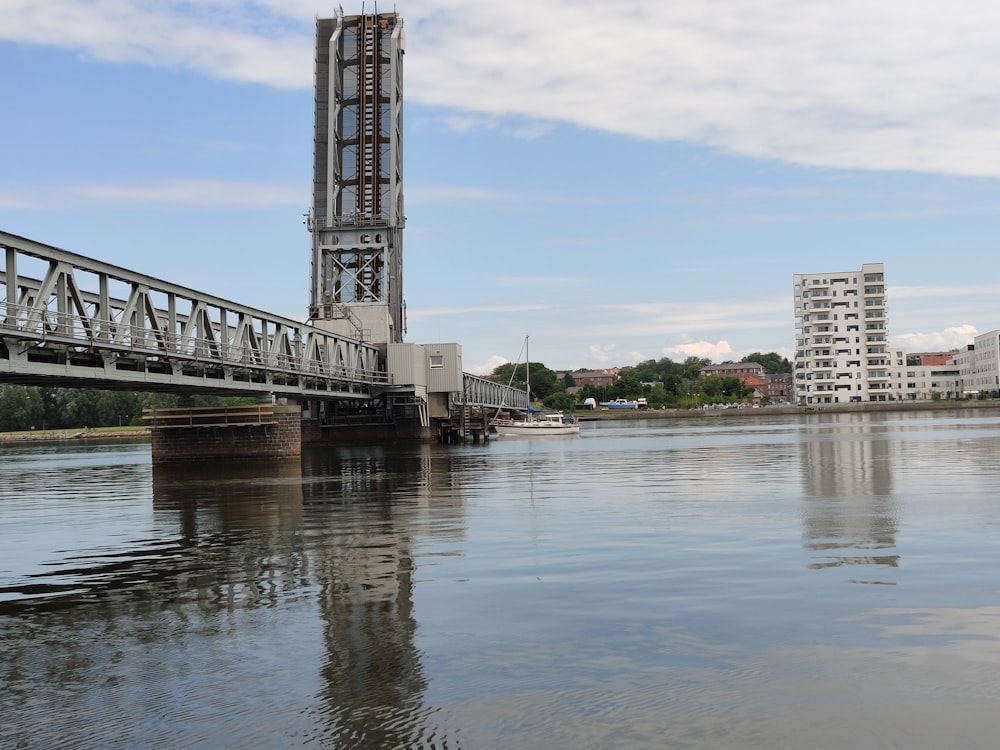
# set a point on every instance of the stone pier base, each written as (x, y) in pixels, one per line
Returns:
(232, 432)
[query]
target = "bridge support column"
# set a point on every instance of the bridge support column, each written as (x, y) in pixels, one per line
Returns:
(234, 432)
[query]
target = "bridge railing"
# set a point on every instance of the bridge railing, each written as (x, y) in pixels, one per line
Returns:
(74, 303)
(64, 328)
(488, 393)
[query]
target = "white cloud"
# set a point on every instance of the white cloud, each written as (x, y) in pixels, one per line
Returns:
(464, 312)
(952, 292)
(189, 193)
(467, 122)
(425, 194)
(539, 282)
(604, 355)
(940, 341)
(16, 199)
(238, 41)
(198, 193)
(716, 352)
(893, 85)
(486, 369)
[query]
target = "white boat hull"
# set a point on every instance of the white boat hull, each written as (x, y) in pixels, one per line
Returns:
(537, 430)
(531, 428)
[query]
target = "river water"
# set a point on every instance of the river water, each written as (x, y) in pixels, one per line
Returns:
(821, 581)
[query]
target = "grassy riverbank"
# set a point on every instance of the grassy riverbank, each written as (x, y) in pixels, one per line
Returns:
(86, 433)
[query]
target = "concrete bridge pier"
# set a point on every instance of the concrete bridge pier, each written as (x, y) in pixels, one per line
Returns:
(260, 431)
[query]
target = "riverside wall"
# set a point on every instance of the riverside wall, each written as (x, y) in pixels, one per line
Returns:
(867, 407)
(311, 433)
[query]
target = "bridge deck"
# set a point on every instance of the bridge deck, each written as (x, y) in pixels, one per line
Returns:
(70, 320)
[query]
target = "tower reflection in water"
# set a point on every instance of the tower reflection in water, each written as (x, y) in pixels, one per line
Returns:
(339, 525)
(849, 513)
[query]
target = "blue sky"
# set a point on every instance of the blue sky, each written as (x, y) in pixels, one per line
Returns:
(620, 182)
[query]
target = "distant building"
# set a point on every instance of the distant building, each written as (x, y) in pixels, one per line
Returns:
(842, 352)
(597, 378)
(981, 371)
(921, 382)
(930, 358)
(739, 370)
(778, 387)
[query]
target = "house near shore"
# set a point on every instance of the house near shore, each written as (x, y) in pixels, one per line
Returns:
(597, 378)
(742, 370)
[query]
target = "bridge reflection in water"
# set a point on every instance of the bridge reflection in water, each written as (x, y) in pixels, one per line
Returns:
(238, 558)
(335, 528)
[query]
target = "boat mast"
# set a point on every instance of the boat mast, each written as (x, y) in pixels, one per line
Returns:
(527, 372)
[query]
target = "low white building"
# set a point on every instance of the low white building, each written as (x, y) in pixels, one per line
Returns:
(970, 372)
(980, 365)
(918, 382)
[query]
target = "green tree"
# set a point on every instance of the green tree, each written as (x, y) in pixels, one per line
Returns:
(694, 365)
(21, 408)
(773, 362)
(715, 389)
(673, 386)
(627, 386)
(560, 400)
(653, 371)
(711, 388)
(543, 380)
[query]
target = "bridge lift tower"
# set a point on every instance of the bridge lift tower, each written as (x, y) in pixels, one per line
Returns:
(356, 220)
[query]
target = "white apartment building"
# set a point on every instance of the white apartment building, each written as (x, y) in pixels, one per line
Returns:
(980, 370)
(842, 352)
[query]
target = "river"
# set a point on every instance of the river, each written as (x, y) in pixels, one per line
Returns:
(815, 581)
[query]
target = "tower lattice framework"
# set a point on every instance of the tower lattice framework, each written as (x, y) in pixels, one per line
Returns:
(356, 220)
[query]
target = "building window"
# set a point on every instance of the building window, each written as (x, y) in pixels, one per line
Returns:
(437, 361)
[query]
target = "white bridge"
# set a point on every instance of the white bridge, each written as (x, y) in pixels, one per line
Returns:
(71, 321)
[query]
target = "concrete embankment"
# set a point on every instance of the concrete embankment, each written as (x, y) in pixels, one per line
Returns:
(771, 411)
(972, 407)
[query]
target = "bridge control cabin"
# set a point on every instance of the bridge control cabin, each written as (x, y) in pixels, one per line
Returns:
(427, 396)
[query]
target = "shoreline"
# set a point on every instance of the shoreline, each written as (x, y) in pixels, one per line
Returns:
(144, 433)
(75, 433)
(869, 407)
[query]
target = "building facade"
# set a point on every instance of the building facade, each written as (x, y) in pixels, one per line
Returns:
(596, 378)
(735, 370)
(980, 375)
(842, 352)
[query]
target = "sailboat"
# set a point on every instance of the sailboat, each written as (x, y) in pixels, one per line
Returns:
(535, 423)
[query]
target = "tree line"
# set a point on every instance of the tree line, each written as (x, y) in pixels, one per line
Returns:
(663, 383)
(25, 407)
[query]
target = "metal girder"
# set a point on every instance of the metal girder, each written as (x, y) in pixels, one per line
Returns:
(78, 319)
(482, 392)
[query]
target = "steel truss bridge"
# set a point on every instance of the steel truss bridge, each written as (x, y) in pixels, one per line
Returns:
(71, 321)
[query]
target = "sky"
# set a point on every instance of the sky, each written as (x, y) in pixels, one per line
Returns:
(619, 181)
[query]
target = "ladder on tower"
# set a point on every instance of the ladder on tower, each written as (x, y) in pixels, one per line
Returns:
(368, 195)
